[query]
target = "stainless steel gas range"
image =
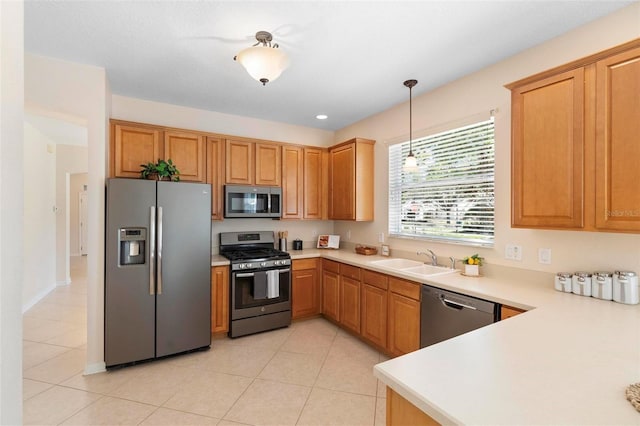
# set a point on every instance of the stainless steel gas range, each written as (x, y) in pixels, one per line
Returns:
(260, 295)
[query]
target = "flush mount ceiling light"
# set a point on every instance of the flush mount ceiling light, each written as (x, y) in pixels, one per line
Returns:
(322, 116)
(263, 61)
(410, 163)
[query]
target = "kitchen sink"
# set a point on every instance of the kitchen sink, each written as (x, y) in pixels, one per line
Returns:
(413, 267)
(397, 263)
(429, 270)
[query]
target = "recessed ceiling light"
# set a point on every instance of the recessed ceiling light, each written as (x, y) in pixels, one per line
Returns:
(322, 116)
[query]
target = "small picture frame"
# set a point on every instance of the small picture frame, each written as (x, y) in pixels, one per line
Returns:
(385, 250)
(328, 241)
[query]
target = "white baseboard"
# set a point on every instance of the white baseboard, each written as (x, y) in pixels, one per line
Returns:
(64, 282)
(98, 367)
(38, 297)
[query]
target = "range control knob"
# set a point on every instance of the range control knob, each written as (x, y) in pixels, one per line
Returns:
(263, 264)
(276, 262)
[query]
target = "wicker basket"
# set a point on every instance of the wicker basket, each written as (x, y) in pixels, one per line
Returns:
(366, 250)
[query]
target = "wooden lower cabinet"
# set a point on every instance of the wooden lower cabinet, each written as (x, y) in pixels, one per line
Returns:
(350, 303)
(305, 288)
(404, 317)
(402, 412)
(331, 289)
(509, 311)
(374, 305)
(219, 299)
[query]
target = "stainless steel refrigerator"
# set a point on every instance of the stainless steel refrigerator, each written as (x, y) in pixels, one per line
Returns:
(157, 269)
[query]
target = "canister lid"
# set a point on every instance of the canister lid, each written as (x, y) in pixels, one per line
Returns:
(626, 273)
(564, 274)
(603, 274)
(582, 274)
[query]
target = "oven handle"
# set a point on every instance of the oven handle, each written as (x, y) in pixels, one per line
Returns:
(251, 274)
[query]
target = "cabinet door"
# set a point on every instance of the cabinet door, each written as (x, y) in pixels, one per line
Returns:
(342, 182)
(404, 324)
(220, 299)
(268, 160)
(187, 152)
(239, 168)
(133, 146)
(350, 303)
(374, 315)
(315, 186)
(331, 295)
(215, 176)
(306, 290)
(292, 182)
(547, 124)
(617, 142)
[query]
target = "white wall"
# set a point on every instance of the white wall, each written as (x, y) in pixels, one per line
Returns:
(76, 186)
(69, 159)
(81, 91)
(142, 111)
(39, 216)
(12, 202)
(481, 92)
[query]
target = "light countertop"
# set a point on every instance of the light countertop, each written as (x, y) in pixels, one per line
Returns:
(566, 361)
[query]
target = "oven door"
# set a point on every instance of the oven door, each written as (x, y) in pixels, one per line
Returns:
(248, 297)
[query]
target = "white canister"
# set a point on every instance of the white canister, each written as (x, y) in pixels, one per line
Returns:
(602, 285)
(625, 287)
(563, 282)
(581, 283)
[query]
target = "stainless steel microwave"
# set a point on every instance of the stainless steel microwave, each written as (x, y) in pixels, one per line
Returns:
(252, 201)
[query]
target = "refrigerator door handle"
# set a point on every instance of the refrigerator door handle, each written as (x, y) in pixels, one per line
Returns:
(159, 250)
(152, 249)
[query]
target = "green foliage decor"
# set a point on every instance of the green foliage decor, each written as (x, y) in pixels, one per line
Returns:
(473, 260)
(162, 170)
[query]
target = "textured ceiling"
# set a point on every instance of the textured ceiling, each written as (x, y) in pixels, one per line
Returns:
(348, 58)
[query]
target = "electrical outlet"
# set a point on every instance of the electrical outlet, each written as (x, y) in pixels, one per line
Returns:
(381, 237)
(513, 252)
(544, 256)
(314, 234)
(349, 235)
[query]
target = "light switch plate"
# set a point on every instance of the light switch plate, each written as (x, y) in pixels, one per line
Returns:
(513, 252)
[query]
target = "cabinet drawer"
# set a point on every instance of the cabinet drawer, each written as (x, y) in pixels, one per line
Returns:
(375, 279)
(405, 288)
(300, 264)
(352, 272)
(330, 265)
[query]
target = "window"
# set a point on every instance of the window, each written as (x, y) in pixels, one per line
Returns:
(451, 196)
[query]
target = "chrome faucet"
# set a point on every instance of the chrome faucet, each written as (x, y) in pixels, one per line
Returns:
(434, 258)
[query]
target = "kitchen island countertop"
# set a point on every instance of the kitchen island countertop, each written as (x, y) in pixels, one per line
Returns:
(567, 360)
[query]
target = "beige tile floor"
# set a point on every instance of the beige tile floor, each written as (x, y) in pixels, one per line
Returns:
(311, 373)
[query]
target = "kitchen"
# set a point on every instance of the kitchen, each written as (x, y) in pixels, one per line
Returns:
(621, 249)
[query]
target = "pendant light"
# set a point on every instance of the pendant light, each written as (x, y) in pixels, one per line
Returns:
(410, 163)
(263, 61)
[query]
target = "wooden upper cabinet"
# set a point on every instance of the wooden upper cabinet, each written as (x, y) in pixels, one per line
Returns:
(547, 148)
(618, 142)
(132, 146)
(351, 180)
(268, 160)
(187, 152)
(215, 175)
(315, 183)
(252, 163)
(239, 168)
(292, 182)
(575, 145)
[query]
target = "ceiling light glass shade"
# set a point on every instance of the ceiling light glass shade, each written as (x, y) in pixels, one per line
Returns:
(410, 163)
(263, 63)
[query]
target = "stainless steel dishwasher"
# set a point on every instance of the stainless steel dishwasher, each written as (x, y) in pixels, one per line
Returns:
(445, 314)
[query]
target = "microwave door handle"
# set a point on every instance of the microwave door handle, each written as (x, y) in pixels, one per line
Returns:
(269, 202)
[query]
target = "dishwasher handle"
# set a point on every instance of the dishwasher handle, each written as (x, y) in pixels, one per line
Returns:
(454, 305)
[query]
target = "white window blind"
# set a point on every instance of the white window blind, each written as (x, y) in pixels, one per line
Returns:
(451, 196)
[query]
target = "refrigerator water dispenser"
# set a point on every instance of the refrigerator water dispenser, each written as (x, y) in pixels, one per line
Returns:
(132, 246)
